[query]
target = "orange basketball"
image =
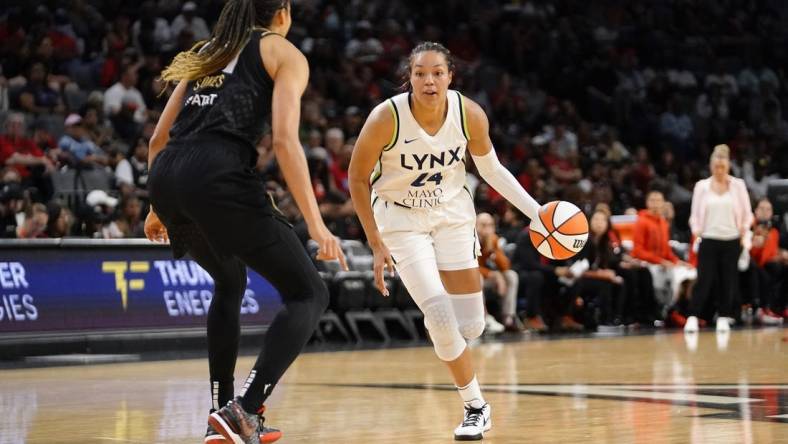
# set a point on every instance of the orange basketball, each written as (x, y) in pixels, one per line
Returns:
(560, 231)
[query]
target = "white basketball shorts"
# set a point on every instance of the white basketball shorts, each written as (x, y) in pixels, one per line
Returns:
(446, 234)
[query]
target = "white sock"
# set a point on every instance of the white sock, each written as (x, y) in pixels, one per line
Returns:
(472, 394)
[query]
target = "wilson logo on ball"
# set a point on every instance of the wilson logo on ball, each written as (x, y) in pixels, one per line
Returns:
(560, 231)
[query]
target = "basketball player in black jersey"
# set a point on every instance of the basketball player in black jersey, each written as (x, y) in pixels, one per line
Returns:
(208, 201)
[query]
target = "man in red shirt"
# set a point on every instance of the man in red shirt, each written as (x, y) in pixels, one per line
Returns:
(22, 153)
(651, 244)
(768, 269)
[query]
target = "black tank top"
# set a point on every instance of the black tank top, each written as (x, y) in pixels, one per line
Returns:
(234, 103)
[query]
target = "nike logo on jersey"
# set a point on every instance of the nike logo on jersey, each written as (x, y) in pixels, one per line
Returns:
(411, 140)
(421, 159)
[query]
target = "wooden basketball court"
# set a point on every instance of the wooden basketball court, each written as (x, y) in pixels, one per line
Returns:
(642, 389)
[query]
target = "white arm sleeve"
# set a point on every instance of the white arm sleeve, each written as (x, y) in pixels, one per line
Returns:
(504, 182)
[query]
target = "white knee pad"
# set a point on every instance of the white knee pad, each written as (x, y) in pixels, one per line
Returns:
(439, 320)
(469, 311)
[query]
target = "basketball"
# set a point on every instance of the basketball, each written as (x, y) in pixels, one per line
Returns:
(560, 231)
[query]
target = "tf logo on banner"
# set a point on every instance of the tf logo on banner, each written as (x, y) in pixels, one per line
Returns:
(122, 284)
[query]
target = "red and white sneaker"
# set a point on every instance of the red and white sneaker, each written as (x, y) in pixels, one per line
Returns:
(237, 426)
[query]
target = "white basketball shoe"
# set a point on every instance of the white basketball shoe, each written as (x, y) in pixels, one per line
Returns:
(474, 424)
(723, 324)
(692, 325)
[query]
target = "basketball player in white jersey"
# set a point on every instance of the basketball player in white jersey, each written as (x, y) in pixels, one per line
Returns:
(419, 216)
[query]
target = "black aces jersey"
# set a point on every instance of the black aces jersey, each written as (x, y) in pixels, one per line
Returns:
(233, 104)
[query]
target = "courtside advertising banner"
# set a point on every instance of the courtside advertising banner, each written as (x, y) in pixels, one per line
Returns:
(64, 289)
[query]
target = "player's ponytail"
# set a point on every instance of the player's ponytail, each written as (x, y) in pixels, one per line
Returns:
(405, 69)
(231, 32)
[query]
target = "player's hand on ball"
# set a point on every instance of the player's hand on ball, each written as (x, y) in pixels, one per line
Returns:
(382, 258)
(330, 249)
(155, 231)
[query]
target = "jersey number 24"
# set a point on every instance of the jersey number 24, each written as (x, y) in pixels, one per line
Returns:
(420, 182)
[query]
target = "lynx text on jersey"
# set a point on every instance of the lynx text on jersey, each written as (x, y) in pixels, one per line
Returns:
(421, 162)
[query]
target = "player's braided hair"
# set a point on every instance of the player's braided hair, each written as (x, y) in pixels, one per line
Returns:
(231, 32)
(405, 69)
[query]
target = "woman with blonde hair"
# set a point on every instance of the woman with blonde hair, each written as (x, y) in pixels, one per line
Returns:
(209, 202)
(719, 220)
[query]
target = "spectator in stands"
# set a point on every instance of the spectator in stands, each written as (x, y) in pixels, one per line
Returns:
(768, 271)
(124, 94)
(121, 167)
(151, 33)
(496, 270)
(12, 202)
(334, 141)
(511, 224)
(564, 169)
(669, 213)
(129, 222)
(188, 20)
(364, 47)
(642, 172)
(598, 281)
(37, 97)
(339, 168)
(539, 286)
(651, 244)
(320, 175)
(34, 223)
(100, 214)
(93, 122)
(139, 166)
(721, 216)
(60, 220)
(82, 150)
(20, 152)
(677, 128)
(43, 139)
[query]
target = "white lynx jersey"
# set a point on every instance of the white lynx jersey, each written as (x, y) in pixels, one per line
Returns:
(416, 170)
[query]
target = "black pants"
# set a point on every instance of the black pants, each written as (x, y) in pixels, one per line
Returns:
(557, 299)
(717, 262)
(766, 285)
(604, 301)
(215, 207)
(530, 290)
(640, 303)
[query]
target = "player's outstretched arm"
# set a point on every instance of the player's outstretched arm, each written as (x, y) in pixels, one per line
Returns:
(290, 71)
(375, 134)
(490, 168)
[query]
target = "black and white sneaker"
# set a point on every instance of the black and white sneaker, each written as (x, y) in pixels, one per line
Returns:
(474, 424)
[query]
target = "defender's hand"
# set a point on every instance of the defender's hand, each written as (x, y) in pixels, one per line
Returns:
(155, 231)
(330, 249)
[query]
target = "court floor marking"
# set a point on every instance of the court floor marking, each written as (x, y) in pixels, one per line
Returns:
(657, 393)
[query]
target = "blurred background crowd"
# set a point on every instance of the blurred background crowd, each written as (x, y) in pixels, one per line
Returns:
(595, 102)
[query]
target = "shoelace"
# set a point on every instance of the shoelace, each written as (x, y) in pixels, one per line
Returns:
(472, 416)
(261, 427)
